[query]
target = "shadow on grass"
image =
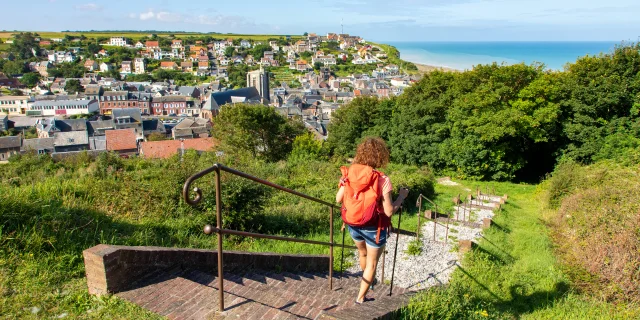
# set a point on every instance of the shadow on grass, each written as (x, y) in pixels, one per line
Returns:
(499, 227)
(510, 257)
(518, 302)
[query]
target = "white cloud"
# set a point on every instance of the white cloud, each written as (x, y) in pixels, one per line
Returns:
(89, 7)
(147, 15)
(202, 19)
(169, 17)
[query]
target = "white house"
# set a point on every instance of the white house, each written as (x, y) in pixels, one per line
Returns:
(328, 60)
(245, 44)
(139, 66)
(118, 42)
(65, 107)
(14, 105)
(139, 45)
(60, 56)
(105, 67)
(399, 82)
(220, 45)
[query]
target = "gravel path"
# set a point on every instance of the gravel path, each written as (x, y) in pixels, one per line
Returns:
(434, 265)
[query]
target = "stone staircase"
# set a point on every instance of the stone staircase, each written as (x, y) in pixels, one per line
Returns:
(257, 294)
(183, 284)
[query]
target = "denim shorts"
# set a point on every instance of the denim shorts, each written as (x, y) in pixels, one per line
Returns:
(368, 234)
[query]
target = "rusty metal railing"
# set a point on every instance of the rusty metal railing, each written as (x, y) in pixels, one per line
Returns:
(220, 231)
(435, 218)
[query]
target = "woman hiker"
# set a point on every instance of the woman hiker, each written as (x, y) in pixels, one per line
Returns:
(365, 194)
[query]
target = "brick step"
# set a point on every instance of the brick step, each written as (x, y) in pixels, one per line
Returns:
(384, 308)
(193, 294)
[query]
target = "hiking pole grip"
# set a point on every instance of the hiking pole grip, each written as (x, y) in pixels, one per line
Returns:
(395, 253)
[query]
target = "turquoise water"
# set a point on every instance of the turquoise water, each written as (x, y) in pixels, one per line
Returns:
(464, 55)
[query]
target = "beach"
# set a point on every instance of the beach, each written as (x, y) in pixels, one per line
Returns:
(451, 56)
(425, 68)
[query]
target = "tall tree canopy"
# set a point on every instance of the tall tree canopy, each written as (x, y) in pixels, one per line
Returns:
(504, 122)
(256, 129)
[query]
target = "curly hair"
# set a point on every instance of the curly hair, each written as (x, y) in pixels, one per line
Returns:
(372, 152)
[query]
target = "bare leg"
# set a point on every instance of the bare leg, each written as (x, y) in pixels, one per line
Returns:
(373, 254)
(362, 254)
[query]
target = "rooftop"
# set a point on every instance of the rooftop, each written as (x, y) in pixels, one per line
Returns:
(119, 140)
(165, 149)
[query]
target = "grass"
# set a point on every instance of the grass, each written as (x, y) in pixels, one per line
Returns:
(391, 52)
(513, 273)
(138, 35)
(51, 212)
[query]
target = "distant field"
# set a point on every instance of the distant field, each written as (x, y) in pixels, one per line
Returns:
(138, 35)
(4, 46)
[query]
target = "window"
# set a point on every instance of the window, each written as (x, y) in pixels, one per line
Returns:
(70, 140)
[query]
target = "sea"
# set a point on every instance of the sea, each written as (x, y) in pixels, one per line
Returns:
(464, 55)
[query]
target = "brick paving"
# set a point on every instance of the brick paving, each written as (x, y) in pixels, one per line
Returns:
(180, 293)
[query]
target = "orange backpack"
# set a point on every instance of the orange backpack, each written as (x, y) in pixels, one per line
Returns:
(362, 200)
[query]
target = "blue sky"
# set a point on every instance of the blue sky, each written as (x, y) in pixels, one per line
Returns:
(402, 20)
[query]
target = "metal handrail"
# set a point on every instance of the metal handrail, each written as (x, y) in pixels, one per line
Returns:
(211, 229)
(220, 167)
(217, 168)
(435, 218)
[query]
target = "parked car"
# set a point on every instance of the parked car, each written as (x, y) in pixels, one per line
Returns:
(183, 115)
(173, 115)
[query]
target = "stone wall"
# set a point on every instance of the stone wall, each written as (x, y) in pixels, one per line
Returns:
(111, 269)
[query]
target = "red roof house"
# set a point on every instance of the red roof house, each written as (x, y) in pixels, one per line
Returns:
(166, 149)
(122, 141)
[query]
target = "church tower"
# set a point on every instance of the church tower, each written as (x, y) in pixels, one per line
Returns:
(259, 79)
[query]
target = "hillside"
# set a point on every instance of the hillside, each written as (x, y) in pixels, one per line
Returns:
(50, 212)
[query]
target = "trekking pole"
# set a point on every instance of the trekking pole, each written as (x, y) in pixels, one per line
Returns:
(384, 255)
(342, 255)
(395, 254)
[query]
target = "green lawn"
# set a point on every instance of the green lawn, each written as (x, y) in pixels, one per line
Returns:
(513, 273)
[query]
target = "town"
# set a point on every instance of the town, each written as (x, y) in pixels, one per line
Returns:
(158, 94)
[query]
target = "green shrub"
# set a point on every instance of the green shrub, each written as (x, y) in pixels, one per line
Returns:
(596, 228)
(415, 247)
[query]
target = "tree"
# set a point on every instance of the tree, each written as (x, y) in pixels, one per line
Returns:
(305, 34)
(14, 67)
(317, 65)
(306, 147)
(73, 86)
(23, 46)
(363, 117)
(256, 129)
(30, 79)
(228, 51)
(94, 48)
(258, 51)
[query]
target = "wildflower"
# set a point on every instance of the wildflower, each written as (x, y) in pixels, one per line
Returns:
(484, 313)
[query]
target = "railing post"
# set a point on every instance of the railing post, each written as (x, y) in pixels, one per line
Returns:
(446, 235)
(435, 221)
(419, 214)
(220, 252)
(331, 249)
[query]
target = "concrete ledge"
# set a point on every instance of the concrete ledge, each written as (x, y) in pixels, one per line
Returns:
(486, 223)
(465, 246)
(110, 269)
